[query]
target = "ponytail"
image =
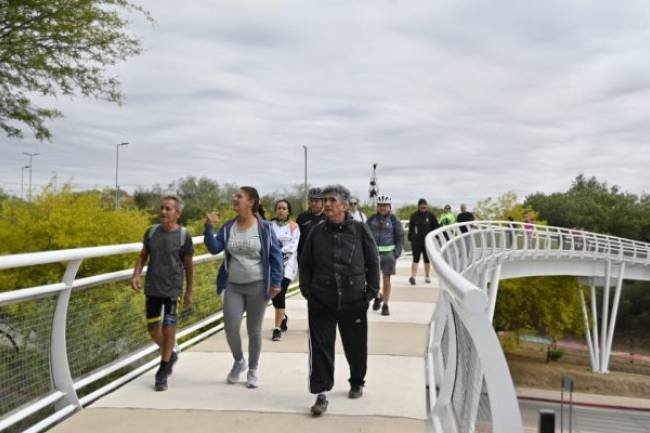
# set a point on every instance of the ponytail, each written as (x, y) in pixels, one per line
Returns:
(255, 197)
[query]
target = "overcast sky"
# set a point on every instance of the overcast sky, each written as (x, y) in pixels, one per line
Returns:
(456, 100)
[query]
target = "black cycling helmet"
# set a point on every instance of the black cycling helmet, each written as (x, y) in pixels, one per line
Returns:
(315, 193)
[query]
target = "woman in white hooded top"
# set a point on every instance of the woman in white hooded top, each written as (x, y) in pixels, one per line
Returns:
(288, 233)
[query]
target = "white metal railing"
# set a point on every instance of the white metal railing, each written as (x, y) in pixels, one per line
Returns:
(64, 387)
(470, 259)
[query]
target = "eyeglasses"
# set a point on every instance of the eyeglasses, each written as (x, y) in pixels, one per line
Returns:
(353, 203)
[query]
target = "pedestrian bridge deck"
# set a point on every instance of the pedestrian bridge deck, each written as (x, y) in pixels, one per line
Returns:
(199, 400)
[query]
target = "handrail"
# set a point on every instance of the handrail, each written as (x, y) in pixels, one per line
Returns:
(468, 263)
(64, 393)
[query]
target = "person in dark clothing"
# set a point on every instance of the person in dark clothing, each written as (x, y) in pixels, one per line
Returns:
(339, 275)
(463, 217)
(311, 217)
(422, 222)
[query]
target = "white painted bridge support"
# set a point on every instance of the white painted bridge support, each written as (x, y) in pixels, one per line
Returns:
(600, 351)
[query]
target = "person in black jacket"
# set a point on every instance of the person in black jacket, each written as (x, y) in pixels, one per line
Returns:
(311, 217)
(422, 222)
(339, 275)
(463, 217)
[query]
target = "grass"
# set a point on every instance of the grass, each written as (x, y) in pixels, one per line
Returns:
(529, 369)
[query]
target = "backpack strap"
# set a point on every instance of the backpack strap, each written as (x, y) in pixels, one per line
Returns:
(152, 230)
(395, 221)
(183, 236)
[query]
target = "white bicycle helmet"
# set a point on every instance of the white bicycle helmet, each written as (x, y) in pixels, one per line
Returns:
(384, 199)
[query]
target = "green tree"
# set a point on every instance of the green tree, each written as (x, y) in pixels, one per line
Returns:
(60, 220)
(199, 196)
(547, 305)
(503, 207)
(59, 47)
(597, 207)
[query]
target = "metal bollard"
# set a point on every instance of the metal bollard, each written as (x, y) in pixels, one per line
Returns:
(546, 421)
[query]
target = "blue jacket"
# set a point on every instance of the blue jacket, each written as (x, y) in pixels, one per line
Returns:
(271, 253)
(387, 230)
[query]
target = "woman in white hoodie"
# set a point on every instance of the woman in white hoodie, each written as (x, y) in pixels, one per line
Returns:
(288, 233)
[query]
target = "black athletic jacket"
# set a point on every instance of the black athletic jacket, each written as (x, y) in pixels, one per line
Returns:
(420, 224)
(306, 221)
(339, 264)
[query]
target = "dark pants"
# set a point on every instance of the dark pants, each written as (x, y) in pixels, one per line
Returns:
(280, 300)
(353, 325)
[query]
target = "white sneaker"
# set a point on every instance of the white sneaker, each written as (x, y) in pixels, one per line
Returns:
(237, 368)
(252, 378)
(427, 280)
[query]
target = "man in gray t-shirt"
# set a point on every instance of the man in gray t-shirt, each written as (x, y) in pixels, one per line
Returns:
(166, 260)
(169, 249)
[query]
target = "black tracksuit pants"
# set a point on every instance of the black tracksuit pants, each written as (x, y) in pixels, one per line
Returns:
(352, 322)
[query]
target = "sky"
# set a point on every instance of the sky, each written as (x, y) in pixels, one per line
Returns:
(456, 100)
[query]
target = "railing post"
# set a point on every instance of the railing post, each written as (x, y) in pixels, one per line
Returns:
(59, 366)
(447, 386)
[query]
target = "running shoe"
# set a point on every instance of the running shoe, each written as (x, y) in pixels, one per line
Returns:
(320, 406)
(237, 368)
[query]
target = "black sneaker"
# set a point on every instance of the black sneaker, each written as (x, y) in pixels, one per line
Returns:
(412, 281)
(283, 325)
(161, 379)
(384, 310)
(356, 391)
(170, 364)
(277, 334)
(377, 304)
(320, 406)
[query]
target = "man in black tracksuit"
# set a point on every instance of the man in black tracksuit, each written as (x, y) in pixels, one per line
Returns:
(311, 217)
(339, 274)
(421, 223)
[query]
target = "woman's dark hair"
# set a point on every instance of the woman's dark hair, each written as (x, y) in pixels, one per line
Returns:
(255, 197)
(283, 200)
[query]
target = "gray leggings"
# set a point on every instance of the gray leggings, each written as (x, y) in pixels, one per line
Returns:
(237, 299)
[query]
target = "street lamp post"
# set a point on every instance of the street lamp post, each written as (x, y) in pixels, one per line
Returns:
(117, 165)
(22, 177)
(31, 165)
(306, 200)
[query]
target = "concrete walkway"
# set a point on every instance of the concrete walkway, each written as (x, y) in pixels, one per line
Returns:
(199, 400)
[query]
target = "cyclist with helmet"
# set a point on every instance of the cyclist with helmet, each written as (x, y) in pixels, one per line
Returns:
(389, 236)
(311, 217)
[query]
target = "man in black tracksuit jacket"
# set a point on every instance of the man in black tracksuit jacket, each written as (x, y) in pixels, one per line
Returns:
(422, 222)
(339, 274)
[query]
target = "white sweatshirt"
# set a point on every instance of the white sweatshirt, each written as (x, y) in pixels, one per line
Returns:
(288, 235)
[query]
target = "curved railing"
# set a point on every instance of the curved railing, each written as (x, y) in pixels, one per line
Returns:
(470, 387)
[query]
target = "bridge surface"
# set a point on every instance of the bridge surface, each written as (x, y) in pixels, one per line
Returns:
(200, 400)
(439, 334)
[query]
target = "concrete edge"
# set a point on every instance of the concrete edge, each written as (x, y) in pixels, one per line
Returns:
(585, 404)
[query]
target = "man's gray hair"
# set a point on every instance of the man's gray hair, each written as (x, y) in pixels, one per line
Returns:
(338, 189)
(173, 196)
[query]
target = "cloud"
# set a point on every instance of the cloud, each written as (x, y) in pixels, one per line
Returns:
(457, 101)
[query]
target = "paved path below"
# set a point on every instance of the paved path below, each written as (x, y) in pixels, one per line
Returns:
(199, 400)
